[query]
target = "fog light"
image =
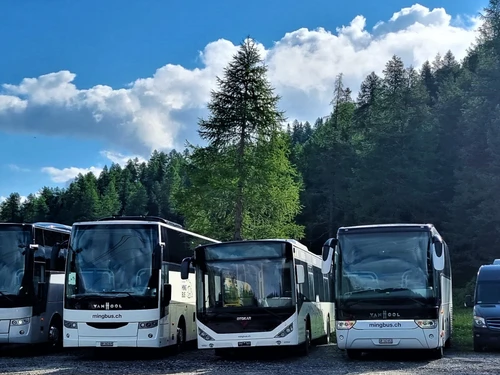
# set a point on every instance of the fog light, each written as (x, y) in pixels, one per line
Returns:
(150, 335)
(431, 336)
(21, 332)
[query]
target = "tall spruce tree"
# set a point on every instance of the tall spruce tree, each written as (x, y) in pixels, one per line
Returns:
(244, 122)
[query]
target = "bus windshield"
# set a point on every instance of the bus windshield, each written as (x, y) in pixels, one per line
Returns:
(14, 240)
(112, 259)
(380, 265)
(245, 275)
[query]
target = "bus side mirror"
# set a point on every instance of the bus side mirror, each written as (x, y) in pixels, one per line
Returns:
(327, 254)
(301, 277)
(186, 262)
(167, 289)
(468, 301)
(157, 257)
(437, 254)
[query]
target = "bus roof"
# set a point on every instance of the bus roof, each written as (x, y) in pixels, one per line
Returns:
(488, 272)
(292, 241)
(386, 227)
(138, 220)
(44, 225)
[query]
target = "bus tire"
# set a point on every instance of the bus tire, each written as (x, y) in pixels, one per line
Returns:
(328, 338)
(56, 332)
(181, 335)
(437, 353)
(305, 347)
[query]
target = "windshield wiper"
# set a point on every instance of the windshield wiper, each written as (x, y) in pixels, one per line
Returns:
(127, 293)
(6, 296)
(387, 290)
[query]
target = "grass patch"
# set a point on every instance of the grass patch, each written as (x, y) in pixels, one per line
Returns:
(462, 329)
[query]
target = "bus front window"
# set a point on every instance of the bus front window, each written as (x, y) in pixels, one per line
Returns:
(14, 240)
(111, 259)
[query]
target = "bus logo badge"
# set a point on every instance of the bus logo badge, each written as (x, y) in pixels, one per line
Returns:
(244, 320)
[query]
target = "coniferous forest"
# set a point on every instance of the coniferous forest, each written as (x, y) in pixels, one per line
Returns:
(415, 145)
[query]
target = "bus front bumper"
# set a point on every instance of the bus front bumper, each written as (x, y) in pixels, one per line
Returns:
(15, 331)
(416, 338)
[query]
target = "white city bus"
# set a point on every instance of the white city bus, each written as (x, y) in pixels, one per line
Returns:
(393, 288)
(123, 286)
(260, 293)
(32, 260)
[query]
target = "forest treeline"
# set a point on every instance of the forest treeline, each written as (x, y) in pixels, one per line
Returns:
(415, 145)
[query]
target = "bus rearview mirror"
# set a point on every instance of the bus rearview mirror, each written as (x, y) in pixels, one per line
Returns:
(301, 277)
(186, 262)
(438, 256)
(327, 254)
(468, 301)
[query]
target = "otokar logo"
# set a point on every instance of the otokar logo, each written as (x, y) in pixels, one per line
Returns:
(384, 315)
(244, 318)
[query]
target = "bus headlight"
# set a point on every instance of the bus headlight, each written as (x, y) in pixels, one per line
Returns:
(286, 331)
(345, 324)
(205, 336)
(479, 321)
(426, 323)
(20, 322)
(71, 325)
(148, 324)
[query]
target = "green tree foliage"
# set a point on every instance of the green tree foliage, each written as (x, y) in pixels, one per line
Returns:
(243, 178)
(413, 146)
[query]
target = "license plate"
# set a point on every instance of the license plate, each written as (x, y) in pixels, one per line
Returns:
(385, 341)
(244, 343)
(106, 343)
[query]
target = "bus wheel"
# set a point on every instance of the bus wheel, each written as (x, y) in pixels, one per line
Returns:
(328, 338)
(437, 353)
(55, 333)
(306, 346)
(181, 338)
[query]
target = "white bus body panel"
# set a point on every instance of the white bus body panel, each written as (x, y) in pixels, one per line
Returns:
(11, 334)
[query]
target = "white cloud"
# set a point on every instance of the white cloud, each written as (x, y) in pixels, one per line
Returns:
(161, 111)
(119, 158)
(23, 198)
(16, 168)
(67, 174)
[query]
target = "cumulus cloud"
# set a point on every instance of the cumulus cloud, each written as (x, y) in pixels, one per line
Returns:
(119, 158)
(67, 174)
(161, 111)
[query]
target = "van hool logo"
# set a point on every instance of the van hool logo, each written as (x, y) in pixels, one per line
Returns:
(384, 315)
(105, 306)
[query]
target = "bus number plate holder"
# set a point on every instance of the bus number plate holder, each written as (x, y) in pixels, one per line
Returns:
(244, 343)
(106, 343)
(385, 341)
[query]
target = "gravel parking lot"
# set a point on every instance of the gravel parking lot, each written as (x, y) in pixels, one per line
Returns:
(322, 360)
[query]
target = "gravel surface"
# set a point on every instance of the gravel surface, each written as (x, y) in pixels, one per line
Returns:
(325, 359)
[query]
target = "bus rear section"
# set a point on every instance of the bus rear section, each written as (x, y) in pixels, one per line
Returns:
(123, 286)
(248, 295)
(393, 288)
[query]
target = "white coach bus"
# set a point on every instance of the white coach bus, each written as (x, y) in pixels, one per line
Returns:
(260, 293)
(32, 260)
(123, 286)
(393, 288)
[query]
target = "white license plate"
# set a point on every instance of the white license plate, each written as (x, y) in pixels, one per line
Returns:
(385, 341)
(106, 343)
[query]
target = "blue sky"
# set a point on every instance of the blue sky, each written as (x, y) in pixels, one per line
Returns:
(66, 120)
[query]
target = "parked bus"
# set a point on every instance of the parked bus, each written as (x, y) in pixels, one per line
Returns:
(32, 260)
(393, 288)
(123, 285)
(260, 293)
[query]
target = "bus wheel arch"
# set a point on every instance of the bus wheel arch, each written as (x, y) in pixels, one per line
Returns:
(305, 347)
